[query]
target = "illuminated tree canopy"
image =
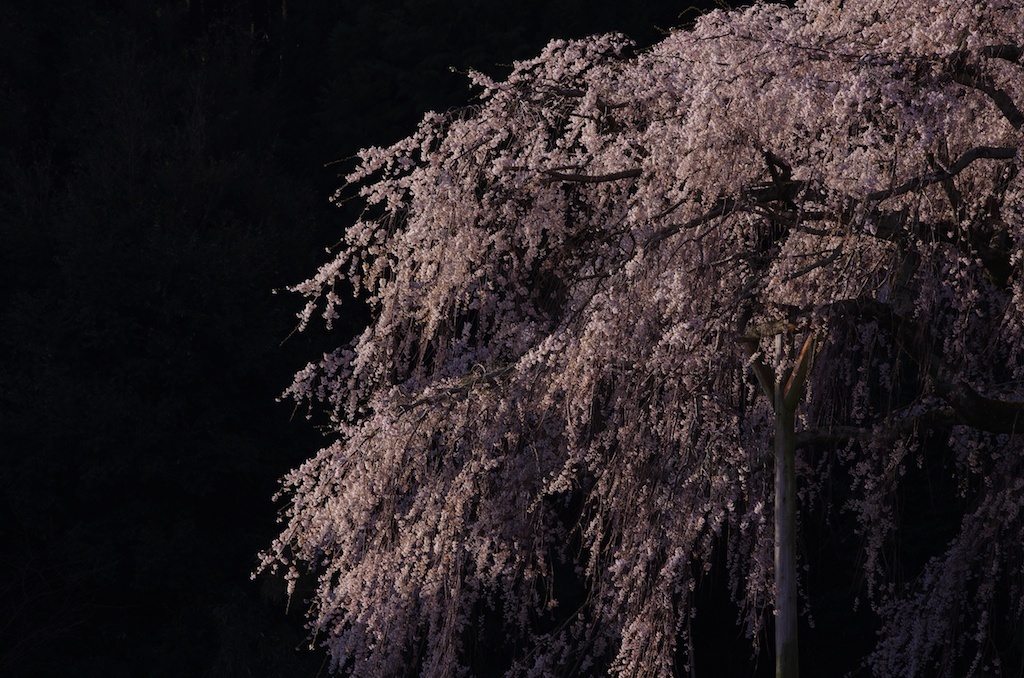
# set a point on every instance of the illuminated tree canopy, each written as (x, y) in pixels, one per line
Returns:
(584, 286)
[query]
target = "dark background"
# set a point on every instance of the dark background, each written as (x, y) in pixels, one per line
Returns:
(164, 166)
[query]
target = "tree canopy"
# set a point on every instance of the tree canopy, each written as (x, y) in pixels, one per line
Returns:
(577, 284)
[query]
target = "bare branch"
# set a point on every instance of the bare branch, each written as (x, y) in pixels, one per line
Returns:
(575, 93)
(477, 377)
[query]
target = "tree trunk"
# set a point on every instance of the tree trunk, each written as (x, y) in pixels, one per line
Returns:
(785, 391)
(789, 389)
(786, 610)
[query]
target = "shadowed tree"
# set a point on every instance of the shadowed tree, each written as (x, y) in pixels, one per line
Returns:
(628, 307)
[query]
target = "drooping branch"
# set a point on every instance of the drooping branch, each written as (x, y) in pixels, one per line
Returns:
(577, 93)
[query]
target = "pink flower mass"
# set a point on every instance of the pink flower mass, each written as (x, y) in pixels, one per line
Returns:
(582, 287)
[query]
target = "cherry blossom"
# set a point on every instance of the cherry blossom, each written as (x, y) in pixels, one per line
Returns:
(585, 286)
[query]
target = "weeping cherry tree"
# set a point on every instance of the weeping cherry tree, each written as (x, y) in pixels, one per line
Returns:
(634, 311)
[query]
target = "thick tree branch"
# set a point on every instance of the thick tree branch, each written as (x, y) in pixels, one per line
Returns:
(919, 182)
(764, 375)
(1010, 53)
(555, 175)
(964, 74)
(723, 207)
(793, 388)
(479, 376)
(999, 97)
(971, 408)
(785, 191)
(759, 194)
(938, 417)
